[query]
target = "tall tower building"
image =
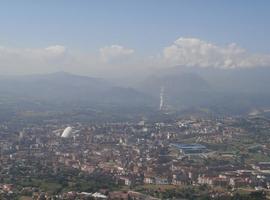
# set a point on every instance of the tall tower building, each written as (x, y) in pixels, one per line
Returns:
(161, 98)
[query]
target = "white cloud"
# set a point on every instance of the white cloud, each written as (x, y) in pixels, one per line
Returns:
(32, 54)
(31, 60)
(56, 50)
(111, 60)
(115, 59)
(110, 53)
(196, 52)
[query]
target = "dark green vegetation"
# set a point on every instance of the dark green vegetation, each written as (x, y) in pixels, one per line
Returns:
(202, 192)
(56, 181)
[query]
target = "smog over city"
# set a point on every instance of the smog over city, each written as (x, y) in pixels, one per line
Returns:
(126, 99)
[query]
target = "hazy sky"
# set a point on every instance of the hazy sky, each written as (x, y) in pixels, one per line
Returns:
(95, 37)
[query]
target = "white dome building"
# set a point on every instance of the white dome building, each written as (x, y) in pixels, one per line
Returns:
(67, 133)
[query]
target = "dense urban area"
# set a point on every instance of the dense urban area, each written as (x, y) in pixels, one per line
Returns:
(175, 158)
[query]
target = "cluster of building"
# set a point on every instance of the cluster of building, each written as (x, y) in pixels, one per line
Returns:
(178, 152)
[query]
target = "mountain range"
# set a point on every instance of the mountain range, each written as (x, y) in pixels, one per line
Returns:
(230, 91)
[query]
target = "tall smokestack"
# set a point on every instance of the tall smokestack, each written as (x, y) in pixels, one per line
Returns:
(161, 96)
